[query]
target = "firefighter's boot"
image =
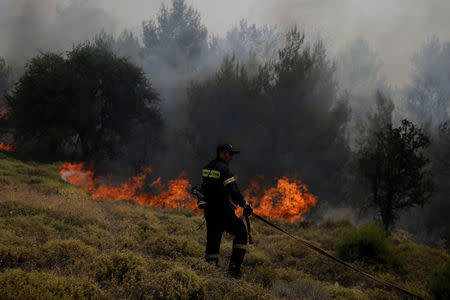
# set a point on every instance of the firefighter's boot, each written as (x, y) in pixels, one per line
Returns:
(237, 256)
(213, 259)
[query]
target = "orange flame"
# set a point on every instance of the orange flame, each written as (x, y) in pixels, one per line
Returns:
(7, 148)
(289, 200)
(173, 195)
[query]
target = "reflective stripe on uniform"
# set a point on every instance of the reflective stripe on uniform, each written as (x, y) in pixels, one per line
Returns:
(211, 256)
(229, 180)
(240, 246)
(211, 173)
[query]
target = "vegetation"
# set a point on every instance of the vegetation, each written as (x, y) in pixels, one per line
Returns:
(57, 242)
(84, 103)
(428, 96)
(177, 36)
(5, 78)
(369, 244)
(290, 108)
(393, 163)
(439, 284)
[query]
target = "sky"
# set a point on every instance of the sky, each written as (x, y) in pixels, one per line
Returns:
(395, 29)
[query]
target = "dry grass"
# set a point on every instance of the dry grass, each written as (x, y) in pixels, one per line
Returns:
(55, 237)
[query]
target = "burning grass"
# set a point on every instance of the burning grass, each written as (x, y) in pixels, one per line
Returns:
(7, 148)
(288, 200)
(60, 239)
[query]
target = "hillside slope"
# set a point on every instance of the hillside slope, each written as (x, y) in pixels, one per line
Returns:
(56, 242)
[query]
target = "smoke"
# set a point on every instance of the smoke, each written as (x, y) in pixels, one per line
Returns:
(28, 27)
(372, 43)
(395, 28)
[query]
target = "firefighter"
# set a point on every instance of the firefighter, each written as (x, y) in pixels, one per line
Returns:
(222, 196)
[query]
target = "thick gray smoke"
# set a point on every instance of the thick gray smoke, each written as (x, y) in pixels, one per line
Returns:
(371, 42)
(28, 27)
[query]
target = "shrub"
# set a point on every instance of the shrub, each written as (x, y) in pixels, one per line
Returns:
(66, 254)
(122, 273)
(299, 289)
(172, 246)
(16, 256)
(439, 284)
(178, 283)
(368, 244)
(18, 284)
(264, 275)
(341, 293)
(256, 258)
(230, 289)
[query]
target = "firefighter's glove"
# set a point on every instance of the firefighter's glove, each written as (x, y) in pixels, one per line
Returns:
(248, 210)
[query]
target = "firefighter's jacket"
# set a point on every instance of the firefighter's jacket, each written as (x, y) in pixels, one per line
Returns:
(219, 187)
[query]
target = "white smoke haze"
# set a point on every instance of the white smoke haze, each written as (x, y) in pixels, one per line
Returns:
(372, 41)
(28, 27)
(394, 29)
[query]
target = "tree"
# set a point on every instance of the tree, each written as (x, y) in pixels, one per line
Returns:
(442, 149)
(89, 100)
(177, 36)
(245, 41)
(288, 111)
(428, 98)
(5, 78)
(393, 163)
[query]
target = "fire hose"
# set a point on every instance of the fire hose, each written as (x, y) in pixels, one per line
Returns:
(202, 204)
(323, 252)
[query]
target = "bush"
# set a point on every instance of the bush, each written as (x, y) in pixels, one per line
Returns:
(299, 289)
(16, 256)
(178, 283)
(66, 254)
(122, 273)
(18, 284)
(173, 246)
(230, 289)
(368, 244)
(439, 284)
(341, 293)
(264, 275)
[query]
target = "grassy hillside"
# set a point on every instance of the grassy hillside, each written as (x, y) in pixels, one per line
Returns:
(56, 242)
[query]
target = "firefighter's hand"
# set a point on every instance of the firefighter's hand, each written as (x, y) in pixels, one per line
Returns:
(248, 210)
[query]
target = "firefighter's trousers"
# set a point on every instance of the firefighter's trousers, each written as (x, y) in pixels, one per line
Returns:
(216, 224)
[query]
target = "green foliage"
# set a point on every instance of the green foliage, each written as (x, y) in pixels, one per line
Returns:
(14, 256)
(172, 246)
(368, 244)
(392, 161)
(123, 273)
(66, 254)
(341, 293)
(177, 283)
(87, 101)
(439, 284)
(18, 284)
